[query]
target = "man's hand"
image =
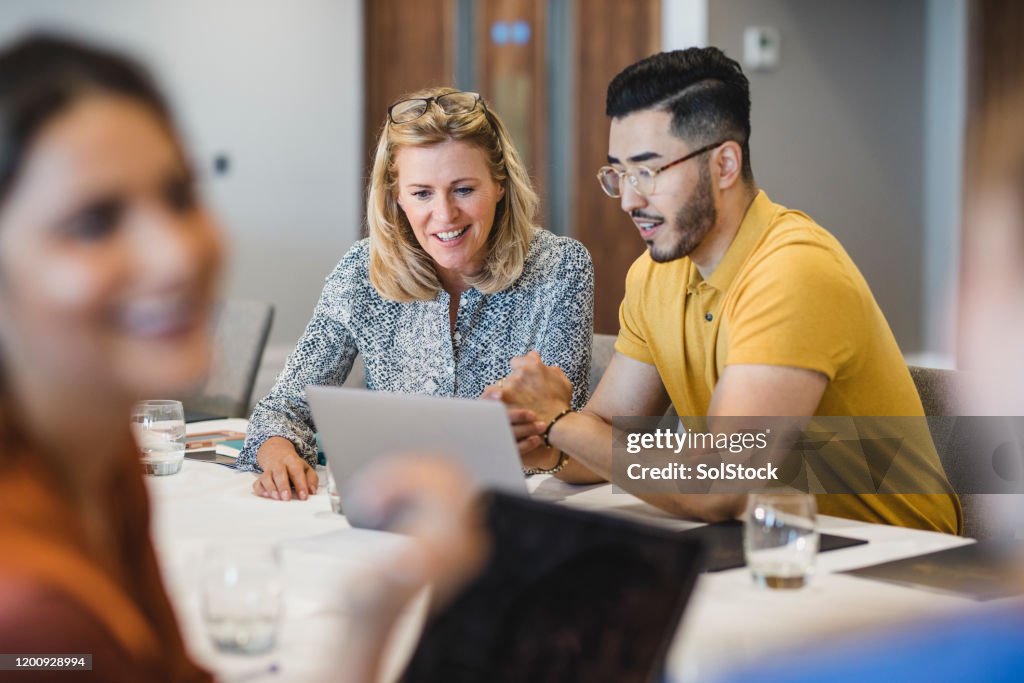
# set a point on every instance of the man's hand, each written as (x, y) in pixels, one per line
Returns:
(282, 469)
(526, 428)
(533, 386)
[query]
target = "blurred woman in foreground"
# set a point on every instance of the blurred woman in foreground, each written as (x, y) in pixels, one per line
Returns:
(108, 265)
(108, 268)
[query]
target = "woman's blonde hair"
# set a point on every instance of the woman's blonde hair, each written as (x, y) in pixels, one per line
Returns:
(399, 267)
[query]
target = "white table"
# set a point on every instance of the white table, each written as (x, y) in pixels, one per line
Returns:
(728, 622)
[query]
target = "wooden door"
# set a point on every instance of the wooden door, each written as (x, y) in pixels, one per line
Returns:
(610, 35)
(510, 66)
(409, 46)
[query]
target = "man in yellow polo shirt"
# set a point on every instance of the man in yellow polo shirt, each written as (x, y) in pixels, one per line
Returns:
(739, 306)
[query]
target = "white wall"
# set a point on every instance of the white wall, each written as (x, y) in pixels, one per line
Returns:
(945, 93)
(932, 250)
(684, 23)
(276, 85)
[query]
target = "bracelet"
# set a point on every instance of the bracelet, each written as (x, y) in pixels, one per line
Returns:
(563, 460)
(547, 432)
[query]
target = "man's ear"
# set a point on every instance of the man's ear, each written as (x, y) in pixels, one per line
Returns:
(729, 161)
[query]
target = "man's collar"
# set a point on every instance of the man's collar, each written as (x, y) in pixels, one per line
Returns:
(756, 219)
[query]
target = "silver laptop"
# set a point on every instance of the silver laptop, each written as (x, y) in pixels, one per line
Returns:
(358, 426)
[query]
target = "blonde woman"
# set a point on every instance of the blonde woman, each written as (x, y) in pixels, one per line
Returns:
(453, 282)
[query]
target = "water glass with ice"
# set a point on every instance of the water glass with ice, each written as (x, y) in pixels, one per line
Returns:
(159, 428)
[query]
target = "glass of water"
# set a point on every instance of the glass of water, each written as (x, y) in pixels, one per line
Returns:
(333, 493)
(242, 597)
(780, 538)
(159, 428)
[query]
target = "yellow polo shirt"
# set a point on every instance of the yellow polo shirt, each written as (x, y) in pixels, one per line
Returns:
(785, 293)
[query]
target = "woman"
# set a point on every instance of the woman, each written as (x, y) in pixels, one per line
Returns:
(107, 273)
(452, 283)
(108, 264)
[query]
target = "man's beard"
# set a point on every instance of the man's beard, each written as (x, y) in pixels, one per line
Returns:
(692, 223)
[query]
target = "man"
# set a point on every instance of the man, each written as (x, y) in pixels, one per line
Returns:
(739, 306)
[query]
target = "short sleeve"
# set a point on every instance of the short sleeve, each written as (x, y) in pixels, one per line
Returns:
(797, 307)
(633, 331)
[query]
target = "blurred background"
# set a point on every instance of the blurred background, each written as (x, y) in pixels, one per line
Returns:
(859, 113)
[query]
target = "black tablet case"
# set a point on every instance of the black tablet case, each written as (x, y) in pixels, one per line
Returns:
(566, 596)
(724, 544)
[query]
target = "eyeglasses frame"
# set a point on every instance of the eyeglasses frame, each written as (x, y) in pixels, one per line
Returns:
(654, 172)
(429, 100)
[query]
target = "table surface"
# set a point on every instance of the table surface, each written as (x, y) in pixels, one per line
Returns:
(728, 622)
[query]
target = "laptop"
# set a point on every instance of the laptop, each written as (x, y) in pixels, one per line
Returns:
(359, 426)
(566, 596)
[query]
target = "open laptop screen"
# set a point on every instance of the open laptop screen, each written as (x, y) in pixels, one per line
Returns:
(565, 596)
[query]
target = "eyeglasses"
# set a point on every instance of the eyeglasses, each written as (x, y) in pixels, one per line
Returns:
(642, 178)
(407, 111)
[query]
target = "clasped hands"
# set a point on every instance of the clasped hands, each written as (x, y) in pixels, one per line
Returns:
(534, 394)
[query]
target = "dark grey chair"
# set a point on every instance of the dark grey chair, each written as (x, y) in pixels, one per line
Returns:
(601, 354)
(357, 375)
(963, 444)
(239, 337)
(939, 390)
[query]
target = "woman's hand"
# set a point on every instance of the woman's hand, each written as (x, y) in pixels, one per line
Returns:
(543, 458)
(526, 429)
(283, 469)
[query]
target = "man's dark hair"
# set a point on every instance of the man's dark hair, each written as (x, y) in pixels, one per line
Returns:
(42, 75)
(705, 91)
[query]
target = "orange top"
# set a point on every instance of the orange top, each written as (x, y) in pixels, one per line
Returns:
(58, 597)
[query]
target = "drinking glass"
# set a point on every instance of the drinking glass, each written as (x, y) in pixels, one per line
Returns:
(242, 596)
(333, 494)
(159, 428)
(780, 538)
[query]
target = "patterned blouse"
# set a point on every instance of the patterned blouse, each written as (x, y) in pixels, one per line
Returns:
(409, 347)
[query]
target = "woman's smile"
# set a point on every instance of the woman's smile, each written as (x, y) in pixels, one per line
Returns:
(450, 199)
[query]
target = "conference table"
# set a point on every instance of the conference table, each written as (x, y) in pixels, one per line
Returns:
(729, 621)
